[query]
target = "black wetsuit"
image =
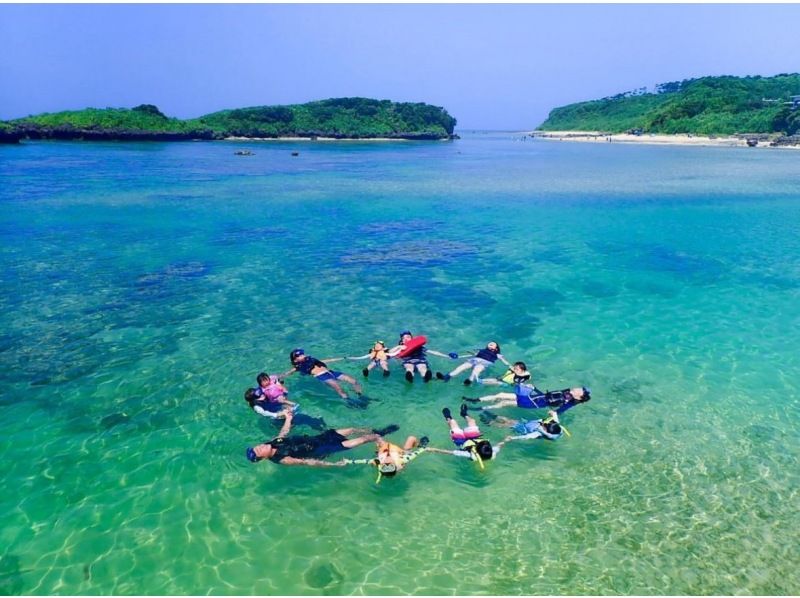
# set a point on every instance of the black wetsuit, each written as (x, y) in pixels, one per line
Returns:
(562, 400)
(304, 447)
(308, 364)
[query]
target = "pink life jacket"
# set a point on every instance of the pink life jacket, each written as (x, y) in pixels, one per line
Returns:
(275, 390)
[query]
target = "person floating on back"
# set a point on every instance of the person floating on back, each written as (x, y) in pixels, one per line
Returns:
(514, 375)
(527, 396)
(391, 459)
(269, 397)
(311, 450)
(412, 352)
(377, 355)
(468, 440)
(311, 366)
(480, 361)
(548, 428)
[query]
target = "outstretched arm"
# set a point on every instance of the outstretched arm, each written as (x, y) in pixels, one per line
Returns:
(438, 450)
(440, 354)
(465, 454)
(532, 436)
(568, 405)
(503, 359)
(288, 373)
(310, 462)
(287, 425)
(358, 462)
(367, 356)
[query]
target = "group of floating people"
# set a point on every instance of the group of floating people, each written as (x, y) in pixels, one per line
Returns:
(270, 399)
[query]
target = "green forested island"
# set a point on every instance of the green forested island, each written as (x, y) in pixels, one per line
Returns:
(340, 118)
(705, 106)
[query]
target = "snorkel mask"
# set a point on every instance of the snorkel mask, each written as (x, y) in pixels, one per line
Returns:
(386, 469)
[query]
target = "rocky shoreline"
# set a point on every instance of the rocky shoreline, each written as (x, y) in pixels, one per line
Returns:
(10, 136)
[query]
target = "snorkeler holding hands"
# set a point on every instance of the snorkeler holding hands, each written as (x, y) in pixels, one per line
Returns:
(412, 352)
(390, 459)
(480, 360)
(514, 375)
(377, 355)
(527, 396)
(468, 440)
(311, 450)
(311, 366)
(548, 428)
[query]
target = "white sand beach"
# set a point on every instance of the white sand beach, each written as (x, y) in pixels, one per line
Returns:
(655, 139)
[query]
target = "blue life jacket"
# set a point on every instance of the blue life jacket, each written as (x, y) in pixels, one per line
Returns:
(487, 354)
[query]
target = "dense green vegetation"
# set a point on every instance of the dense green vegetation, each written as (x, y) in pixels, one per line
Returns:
(341, 118)
(705, 106)
(143, 118)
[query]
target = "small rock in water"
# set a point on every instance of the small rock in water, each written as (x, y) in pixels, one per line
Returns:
(323, 575)
(109, 421)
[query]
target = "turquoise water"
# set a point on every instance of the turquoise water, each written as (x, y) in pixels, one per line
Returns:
(145, 285)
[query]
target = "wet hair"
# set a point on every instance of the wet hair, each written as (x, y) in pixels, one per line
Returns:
(251, 396)
(402, 334)
(295, 353)
(484, 449)
(552, 427)
(498, 347)
(520, 364)
(262, 377)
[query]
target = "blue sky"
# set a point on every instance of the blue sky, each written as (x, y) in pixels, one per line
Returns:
(491, 66)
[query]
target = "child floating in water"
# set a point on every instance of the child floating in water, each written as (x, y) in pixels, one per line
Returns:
(272, 388)
(468, 440)
(269, 397)
(514, 375)
(390, 459)
(548, 428)
(377, 356)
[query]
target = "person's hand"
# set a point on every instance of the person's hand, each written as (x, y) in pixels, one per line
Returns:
(453, 355)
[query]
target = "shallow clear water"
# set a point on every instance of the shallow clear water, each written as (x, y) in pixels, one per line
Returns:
(145, 285)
